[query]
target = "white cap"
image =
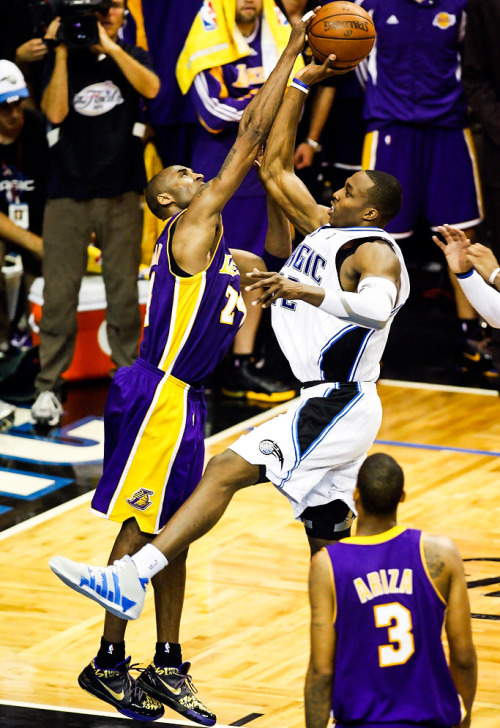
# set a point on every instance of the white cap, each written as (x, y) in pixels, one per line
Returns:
(12, 83)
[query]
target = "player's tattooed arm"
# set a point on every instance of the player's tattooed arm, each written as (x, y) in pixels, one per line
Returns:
(435, 553)
(317, 696)
(227, 162)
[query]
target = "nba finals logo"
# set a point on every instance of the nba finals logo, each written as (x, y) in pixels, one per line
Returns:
(208, 16)
(141, 499)
(444, 21)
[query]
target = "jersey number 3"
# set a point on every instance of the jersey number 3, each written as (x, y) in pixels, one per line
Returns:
(397, 619)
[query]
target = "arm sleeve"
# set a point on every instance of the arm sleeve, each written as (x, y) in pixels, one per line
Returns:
(484, 298)
(370, 307)
(216, 110)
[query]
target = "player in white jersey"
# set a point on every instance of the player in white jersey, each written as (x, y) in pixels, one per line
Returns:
(340, 289)
(476, 269)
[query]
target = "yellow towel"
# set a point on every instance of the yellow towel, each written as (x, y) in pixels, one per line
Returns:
(214, 39)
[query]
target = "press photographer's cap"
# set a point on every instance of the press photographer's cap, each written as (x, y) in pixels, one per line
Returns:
(12, 83)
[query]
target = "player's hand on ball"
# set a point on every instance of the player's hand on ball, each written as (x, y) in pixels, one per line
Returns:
(315, 72)
(298, 35)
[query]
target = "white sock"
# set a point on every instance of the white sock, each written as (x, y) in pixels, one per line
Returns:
(149, 561)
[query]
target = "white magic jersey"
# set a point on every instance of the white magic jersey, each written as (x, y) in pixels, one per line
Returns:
(320, 346)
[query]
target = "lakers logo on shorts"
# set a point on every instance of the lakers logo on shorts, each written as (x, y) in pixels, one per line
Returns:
(141, 499)
(268, 447)
(444, 20)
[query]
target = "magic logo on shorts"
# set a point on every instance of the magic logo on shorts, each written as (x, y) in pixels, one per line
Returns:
(268, 447)
(141, 499)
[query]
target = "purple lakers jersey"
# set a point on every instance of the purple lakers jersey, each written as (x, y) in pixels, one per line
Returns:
(190, 320)
(390, 666)
(413, 73)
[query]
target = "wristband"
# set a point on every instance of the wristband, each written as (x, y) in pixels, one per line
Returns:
(300, 85)
(315, 145)
(492, 277)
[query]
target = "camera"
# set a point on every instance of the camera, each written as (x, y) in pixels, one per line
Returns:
(78, 27)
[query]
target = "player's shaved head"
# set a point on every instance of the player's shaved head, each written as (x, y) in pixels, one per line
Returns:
(158, 186)
(385, 194)
(380, 484)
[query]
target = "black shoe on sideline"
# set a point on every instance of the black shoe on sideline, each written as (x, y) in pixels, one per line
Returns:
(243, 379)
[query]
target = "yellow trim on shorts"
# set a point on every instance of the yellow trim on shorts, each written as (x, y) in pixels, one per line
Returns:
(369, 153)
(151, 459)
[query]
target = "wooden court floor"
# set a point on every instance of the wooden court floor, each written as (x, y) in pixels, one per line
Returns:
(245, 622)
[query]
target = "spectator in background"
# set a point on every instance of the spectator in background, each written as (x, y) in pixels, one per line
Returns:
(161, 29)
(22, 26)
(417, 130)
(23, 161)
(96, 176)
(229, 52)
(481, 79)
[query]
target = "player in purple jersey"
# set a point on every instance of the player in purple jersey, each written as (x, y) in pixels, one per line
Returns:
(155, 411)
(417, 129)
(351, 277)
(387, 592)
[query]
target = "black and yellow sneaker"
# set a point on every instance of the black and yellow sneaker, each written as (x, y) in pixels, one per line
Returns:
(475, 358)
(174, 687)
(119, 689)
(243, 379)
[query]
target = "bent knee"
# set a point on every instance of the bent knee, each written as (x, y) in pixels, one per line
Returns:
(230, 469)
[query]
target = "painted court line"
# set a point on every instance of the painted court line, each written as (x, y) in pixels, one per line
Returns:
(439, 387)
(97, 713)
(87, 497)
(258, 419)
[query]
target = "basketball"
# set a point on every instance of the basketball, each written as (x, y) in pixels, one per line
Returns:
(342, 28)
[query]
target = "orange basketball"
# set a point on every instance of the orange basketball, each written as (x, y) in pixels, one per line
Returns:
(342, 28)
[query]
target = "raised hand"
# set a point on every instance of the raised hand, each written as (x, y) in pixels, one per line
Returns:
(482, 259)
(454, 248)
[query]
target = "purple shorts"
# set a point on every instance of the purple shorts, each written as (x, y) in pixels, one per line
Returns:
(245, 223)
(438, 171)
(153, 447)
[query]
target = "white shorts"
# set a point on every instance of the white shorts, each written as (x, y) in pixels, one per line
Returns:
(313, 452)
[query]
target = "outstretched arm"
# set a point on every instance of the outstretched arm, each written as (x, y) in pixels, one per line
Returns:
(320, 109)
(278, 174)
(461, 256)
(196, 229)
(371, 302)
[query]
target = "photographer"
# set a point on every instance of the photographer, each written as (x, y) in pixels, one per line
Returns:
(96, 175)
